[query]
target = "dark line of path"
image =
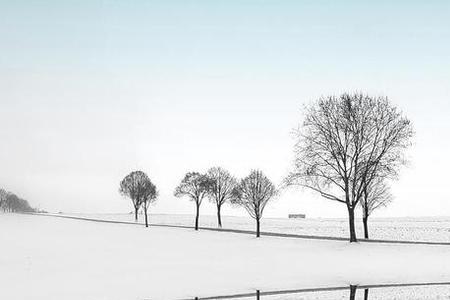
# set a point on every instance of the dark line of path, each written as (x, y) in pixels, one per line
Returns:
(274, 234)
(325, 289)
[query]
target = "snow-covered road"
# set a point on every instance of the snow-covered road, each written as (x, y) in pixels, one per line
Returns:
(55, 258)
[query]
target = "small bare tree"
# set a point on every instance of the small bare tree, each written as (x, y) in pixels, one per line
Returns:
(138, 187)
(149, 196)
(196, 186)
(253, 193)
(221, 189)
(345, 143)
(377, 194)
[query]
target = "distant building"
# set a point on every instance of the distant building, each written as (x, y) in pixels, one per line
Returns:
(297, 216)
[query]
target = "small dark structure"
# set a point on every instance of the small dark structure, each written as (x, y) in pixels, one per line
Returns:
(297, 216)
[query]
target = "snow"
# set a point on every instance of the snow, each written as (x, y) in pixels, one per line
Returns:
(435, 229)
(53, 258)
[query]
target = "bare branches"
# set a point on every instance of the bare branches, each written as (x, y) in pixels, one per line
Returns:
(345, 140)
(139, 188)
(196, 186)
(377, 194)
(345, 143)
(253, 193)
(221, 189)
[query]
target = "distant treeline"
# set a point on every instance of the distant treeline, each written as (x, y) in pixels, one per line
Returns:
(10, 202)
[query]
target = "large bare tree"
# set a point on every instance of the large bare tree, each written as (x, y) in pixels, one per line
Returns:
(376, 194)
(196, 186)
(345, 143)
(138, 187)
(253, 193)
(222, 187)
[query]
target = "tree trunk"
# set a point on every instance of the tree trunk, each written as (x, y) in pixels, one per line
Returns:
(146, 218)
(366, 227)
(197, 216)
(366, 213)
(366, 294)
(136, 214)
(257, 294)
(351, 221)
(353, 292)
(257, 227)
(219, 219)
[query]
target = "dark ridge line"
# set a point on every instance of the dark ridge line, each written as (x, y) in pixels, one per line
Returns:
(82, 218)
(271, 293)
(316, 290)
(273, 234)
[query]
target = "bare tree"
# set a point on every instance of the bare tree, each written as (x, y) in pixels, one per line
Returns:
(196, 186)
(253, 193)
(150, 194)
(138, 187)
(345, 143)
(221, 189)
(376, 194)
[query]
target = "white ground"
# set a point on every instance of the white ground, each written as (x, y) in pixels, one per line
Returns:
(406, 229)
(52, 258)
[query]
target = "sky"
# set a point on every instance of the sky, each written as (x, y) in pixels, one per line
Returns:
(92, 90)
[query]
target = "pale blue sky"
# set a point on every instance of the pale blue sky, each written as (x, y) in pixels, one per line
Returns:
(90, 90)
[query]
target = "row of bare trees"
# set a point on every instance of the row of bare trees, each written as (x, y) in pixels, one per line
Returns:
(252, 192)
(348, 149)
(10, 202)
(218, 185)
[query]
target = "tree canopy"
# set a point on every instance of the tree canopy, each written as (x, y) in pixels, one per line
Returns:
(138, 187)
(347, 142)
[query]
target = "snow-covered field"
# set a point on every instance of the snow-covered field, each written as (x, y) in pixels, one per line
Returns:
(405, 229)
(54, 258)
